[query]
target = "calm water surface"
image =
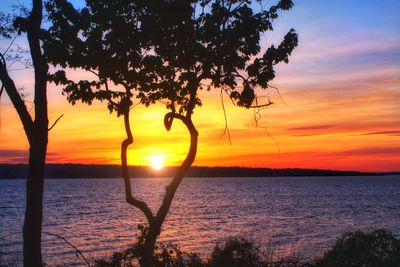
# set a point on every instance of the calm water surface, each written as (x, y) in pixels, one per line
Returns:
(294, 215)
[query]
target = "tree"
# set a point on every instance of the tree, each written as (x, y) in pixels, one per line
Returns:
(166, 50)
(36, 128)
(217, 42)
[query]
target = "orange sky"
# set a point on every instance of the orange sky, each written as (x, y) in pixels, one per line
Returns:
(339, 108)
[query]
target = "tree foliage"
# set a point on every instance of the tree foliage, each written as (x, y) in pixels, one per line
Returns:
(106, 39)
(162, 48)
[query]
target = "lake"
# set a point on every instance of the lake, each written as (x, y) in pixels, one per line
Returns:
(298, 216)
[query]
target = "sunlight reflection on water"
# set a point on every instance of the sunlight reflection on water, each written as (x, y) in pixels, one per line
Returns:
(298, 215)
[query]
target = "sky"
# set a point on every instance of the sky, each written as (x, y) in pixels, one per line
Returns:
(336, 107)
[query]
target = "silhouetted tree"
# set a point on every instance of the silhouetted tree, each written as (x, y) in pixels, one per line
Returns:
(166, 50)
(36, 127)
(217, 43)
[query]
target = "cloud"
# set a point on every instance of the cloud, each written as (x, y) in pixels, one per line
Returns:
(333, 48)
(368, 151)
(13, 156)
(390, 133)
(311, 128)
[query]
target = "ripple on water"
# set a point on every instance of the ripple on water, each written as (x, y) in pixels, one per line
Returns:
(294, 215)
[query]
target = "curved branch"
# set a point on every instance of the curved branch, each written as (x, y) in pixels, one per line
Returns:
(124, 164)
(58, 236)
(71, 245)
(174, 184)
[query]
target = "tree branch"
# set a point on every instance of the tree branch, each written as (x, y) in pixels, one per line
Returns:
(226, 130)
(39, 64)
(261, 106)
(11, 43)
(188, 161)
(92, 71)
(54, 124)
(71, 245)
(15, 97)
(124, 164)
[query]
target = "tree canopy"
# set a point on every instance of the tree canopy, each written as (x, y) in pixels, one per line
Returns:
(164, 49)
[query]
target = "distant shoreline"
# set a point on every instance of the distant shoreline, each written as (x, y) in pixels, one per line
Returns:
(54, 171)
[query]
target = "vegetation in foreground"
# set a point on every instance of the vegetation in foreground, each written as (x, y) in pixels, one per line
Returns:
(378, 248)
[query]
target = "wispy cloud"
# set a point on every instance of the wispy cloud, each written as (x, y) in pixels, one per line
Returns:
(311, 128)
(369, 151)
(13, 156)
(390, 133)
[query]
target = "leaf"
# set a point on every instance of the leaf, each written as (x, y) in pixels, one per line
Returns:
(168, 119)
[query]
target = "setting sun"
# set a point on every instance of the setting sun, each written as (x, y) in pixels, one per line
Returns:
(157, 162)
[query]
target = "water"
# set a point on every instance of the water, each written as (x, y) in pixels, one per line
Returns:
(301, 216)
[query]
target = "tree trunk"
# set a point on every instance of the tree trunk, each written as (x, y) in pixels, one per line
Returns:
(151, 238)
(155, 225)
(38, 139)
(34, 202)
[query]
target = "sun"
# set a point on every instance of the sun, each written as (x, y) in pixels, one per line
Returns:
(157, 162)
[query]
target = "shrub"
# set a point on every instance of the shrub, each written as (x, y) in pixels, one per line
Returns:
(165, 255)
(236, 253)
(379, 248)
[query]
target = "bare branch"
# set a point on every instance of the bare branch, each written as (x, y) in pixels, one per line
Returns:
(9, 86)
(262, 106)
(54, 124)
(257, 118)
(69, 243)
(17, 69)
(226, 130)
(9, 46)
(279, 93)
(95, 73)
(134, 105)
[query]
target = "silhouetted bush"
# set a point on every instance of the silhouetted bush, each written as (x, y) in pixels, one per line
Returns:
(236, 253)
(165, 255)
(233, 253)
(379, 248)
